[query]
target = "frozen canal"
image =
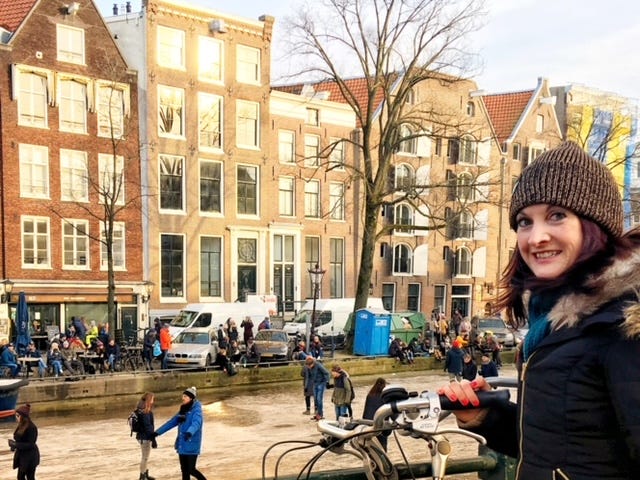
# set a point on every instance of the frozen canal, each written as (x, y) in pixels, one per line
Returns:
(237, 432)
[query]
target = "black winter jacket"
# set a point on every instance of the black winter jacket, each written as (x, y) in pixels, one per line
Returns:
(578, 415)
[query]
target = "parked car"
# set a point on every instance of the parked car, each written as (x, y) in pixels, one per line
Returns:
(273, 345)
(499, 329)
(193, 347)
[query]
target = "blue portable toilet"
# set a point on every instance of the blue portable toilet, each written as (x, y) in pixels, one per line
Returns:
(372, 332)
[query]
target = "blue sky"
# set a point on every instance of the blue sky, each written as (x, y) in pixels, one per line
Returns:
(590, 42)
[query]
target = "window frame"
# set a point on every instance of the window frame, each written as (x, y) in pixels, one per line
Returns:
(172, 255)
(105, 163)
(167, 54)
(178, 161)
(336, 267)
(286, 196)
(70, 55)
(246, 125)
(27, 116)
(72, 103)
(287, 146)
(36, 239)
(312, 204)
(311, 150)
(402, 259)
(256, 196)
(171, 101)
(219, 188)
(75, 237)
(210, 52)
(109, 110)
(336, 201)
(28, 187)
(74, 175)
(215, 102)
(217, 277)
(248, 70)
(119, 247)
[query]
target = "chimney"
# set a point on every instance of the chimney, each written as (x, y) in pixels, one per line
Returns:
(115, 9)
(128, 7)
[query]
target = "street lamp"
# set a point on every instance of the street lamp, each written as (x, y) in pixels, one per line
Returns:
(315, 275)
(148, 288)
(7, 288)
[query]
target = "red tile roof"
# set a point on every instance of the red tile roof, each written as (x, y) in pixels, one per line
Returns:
(13, 12)
(505, 109)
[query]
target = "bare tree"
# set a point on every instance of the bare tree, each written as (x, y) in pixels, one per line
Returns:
(394, 45)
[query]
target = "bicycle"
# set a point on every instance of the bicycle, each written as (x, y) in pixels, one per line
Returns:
(412, 414)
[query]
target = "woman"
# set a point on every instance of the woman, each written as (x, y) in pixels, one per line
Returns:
(372, 403)
(26, 455)
(576, 278)
(145, 436)
(148, 345)
(188, 442)
(341, 395)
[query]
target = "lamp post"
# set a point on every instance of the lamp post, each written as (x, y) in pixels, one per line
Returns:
(315, 275)
(7, 288)
(148, 289)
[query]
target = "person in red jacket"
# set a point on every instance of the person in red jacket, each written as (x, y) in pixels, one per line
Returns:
(165, 345)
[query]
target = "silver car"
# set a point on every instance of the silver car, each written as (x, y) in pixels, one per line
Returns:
(193, 347)
(273, 345)
(497, 327)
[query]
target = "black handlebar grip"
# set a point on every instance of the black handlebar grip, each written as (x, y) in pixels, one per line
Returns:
(487, 399)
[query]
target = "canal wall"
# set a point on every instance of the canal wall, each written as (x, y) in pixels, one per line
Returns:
(100, 391)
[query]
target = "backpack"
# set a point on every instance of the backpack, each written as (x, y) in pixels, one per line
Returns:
(135, 423)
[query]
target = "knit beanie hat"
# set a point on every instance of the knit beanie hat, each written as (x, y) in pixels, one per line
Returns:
(190, 392)
(568, 177)
(24, 410)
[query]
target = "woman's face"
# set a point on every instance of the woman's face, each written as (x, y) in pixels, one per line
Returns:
(550, 239)
(185, 398)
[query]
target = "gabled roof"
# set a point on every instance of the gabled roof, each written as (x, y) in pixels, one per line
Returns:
(505, 110)
(13, 13)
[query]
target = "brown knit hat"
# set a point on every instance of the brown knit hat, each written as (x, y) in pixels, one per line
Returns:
(568, 177)
(24, 410)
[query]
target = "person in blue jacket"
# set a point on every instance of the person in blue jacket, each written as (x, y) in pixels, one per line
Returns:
(189, 440)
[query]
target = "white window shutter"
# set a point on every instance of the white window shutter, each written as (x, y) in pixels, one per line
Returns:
(423, 148)
(482, 187)
(481, 226)
(422, 218)
(15, 79)
(484, 152)
(479, 268)
(421, 260)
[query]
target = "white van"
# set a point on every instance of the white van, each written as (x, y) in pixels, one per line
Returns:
(332, 315)
(213, 314)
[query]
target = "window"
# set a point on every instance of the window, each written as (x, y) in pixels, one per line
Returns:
(248, 64)
(535, 152)
(70, 44)
(312, 199)
(170, 111)
(247, 201)
(402, 259)
(111, 111)
(74, 176)
(336, 267)
(403, 216)
(247, 124)
(410, 145)
(311, 257)
(463, 262)
(284, 266)
(465, 225)
(438, 146)
(286, 196)
(32, 99)
(210, 60)
(75, 244)
(471, 109)
(465, 190)
(336, 201)
(468, 148)
(170, 47)
(73, 106)
(209, 121)
(35, 242)
(171, 182)
(516, 151)
(210, 186)
(311, 150)
(440, 298)
(336, 157)
(286, 146)
(111, 181)
(117, 246)
(539, 123)
(411, 97)
(171, 266)
(34, 171)
(453, 150)
(404, 177)
(413, 297)
(210, 267)
(313, 117)
(388, 296)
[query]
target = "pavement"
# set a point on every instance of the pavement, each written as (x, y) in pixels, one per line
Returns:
(240, 426)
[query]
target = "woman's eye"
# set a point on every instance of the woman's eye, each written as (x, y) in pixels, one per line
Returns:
(523, 222)
(557, 216)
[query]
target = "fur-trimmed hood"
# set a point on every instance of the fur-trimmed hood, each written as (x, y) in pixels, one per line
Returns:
(618, 280)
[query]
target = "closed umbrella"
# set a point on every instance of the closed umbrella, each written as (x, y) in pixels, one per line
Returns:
(22, 325)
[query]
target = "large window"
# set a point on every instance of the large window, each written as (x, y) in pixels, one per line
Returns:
(286, 146)
(336, 201)
(75, 244)
(402, 258)
(311, 257)
(117, 246)
(404, 177)
(465, 188)
(70, 44)
(403, 219)
(210, 59)
(111, 182)
(210, 267)
(74, 182)
(170, 111)
(465, 225)
(248, 64)
(171, 266)
(468, 150)
(413, 297)
(171, 182)
(210, 186)
(336, 267)
(247, 124)
(171, 47)
(389, 296)
(286, 196)
(463, 262)
(410, 144)
(34, 171)
(336, 157)
(440, 298)
(111, 111)
(209, 121)
(32, 99)
(312, 199)
(311, 150)
(73, 106)
(36, 243)
(247, 190)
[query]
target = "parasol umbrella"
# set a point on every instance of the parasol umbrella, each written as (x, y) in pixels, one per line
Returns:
(22, 325)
